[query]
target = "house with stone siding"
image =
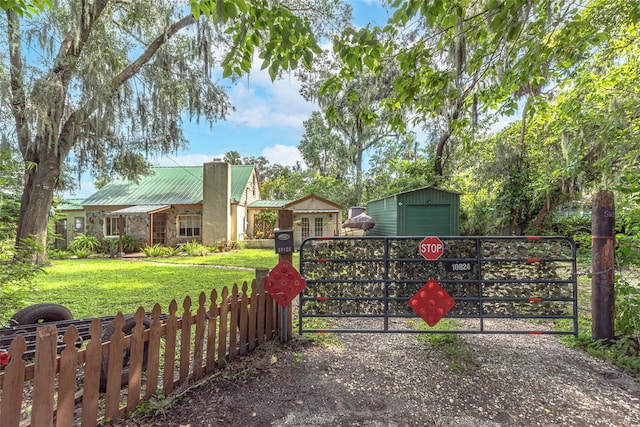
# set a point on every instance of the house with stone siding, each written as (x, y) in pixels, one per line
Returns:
(175, 205)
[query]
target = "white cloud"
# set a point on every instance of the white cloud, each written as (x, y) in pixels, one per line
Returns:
(285, 155)
(262, 103)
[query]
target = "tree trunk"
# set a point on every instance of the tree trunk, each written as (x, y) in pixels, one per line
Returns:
(442, 143)
(358, 184)
(553, 200)
(37, 199)
(446, 137)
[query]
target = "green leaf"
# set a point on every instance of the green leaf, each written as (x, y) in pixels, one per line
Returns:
(352, 97)
(195, 9)
(242, 5)
(273, 71)
(230, 10)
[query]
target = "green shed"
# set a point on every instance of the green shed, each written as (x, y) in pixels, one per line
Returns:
(426, 211)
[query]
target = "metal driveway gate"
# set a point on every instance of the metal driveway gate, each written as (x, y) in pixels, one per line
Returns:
(491, 280)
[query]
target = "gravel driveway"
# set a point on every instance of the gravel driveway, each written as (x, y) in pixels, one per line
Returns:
(396, 380)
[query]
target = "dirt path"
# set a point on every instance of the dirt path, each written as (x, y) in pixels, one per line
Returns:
(397, 380)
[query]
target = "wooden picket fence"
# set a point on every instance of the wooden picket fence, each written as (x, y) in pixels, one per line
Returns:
(64, 389)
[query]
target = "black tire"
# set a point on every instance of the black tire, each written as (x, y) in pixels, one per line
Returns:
(41, 313)
(127, 328)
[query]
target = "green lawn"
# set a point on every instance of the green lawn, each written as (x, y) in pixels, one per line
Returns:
(255, 258)
(102, 287)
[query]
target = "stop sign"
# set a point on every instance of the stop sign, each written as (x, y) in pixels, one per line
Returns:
(431, 248)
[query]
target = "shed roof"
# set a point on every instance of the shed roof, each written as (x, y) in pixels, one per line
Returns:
(172, 185)
(269, 203)
(429, 187)
(313, 197)
(291, 204)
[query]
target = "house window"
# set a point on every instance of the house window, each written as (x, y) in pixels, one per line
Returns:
(304, 227)
(319, 223)
(189, 225)
(112, 226)
(79, 225)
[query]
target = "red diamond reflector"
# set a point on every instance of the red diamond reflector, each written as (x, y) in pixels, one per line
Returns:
(431, 302)
(284, 283)
(4, 358)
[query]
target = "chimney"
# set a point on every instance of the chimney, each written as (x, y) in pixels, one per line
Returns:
(216, 206)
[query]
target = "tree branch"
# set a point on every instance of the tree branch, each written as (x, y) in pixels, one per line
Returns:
(18, 95)
(79, 116)
(70, 47)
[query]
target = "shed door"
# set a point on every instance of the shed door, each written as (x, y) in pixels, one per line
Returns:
(427, 220)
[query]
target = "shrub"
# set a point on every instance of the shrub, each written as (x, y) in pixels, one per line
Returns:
(264, 235)
(627, 311)
(109, 245)
(59, 254)
(194, 248)
(158, 250)
(153, 251)
(16, 276)
(265, 221)
(221, 245)
(128, 243)
(170, 251)
(82, 253)
(84, 242)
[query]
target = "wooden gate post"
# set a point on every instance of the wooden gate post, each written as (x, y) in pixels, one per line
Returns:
(602, 265)
(285, 221)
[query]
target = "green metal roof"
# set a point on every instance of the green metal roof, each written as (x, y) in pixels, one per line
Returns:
(70, 205)
(172, 185)
(240, 176)
(269, 203)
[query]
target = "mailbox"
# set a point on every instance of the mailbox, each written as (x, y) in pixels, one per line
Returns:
(284, 241)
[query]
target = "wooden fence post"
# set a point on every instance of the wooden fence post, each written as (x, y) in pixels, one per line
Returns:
(222, 328)
(153, 365)
(602, 261)
(212, 331)
(170, 349)
(114, 370)
(11, 404)
(185, 341)
(44, 376)
(260, 301)
(92, 382)
(233, 325)
(198, 352)
(136, 362)
(67, 378)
